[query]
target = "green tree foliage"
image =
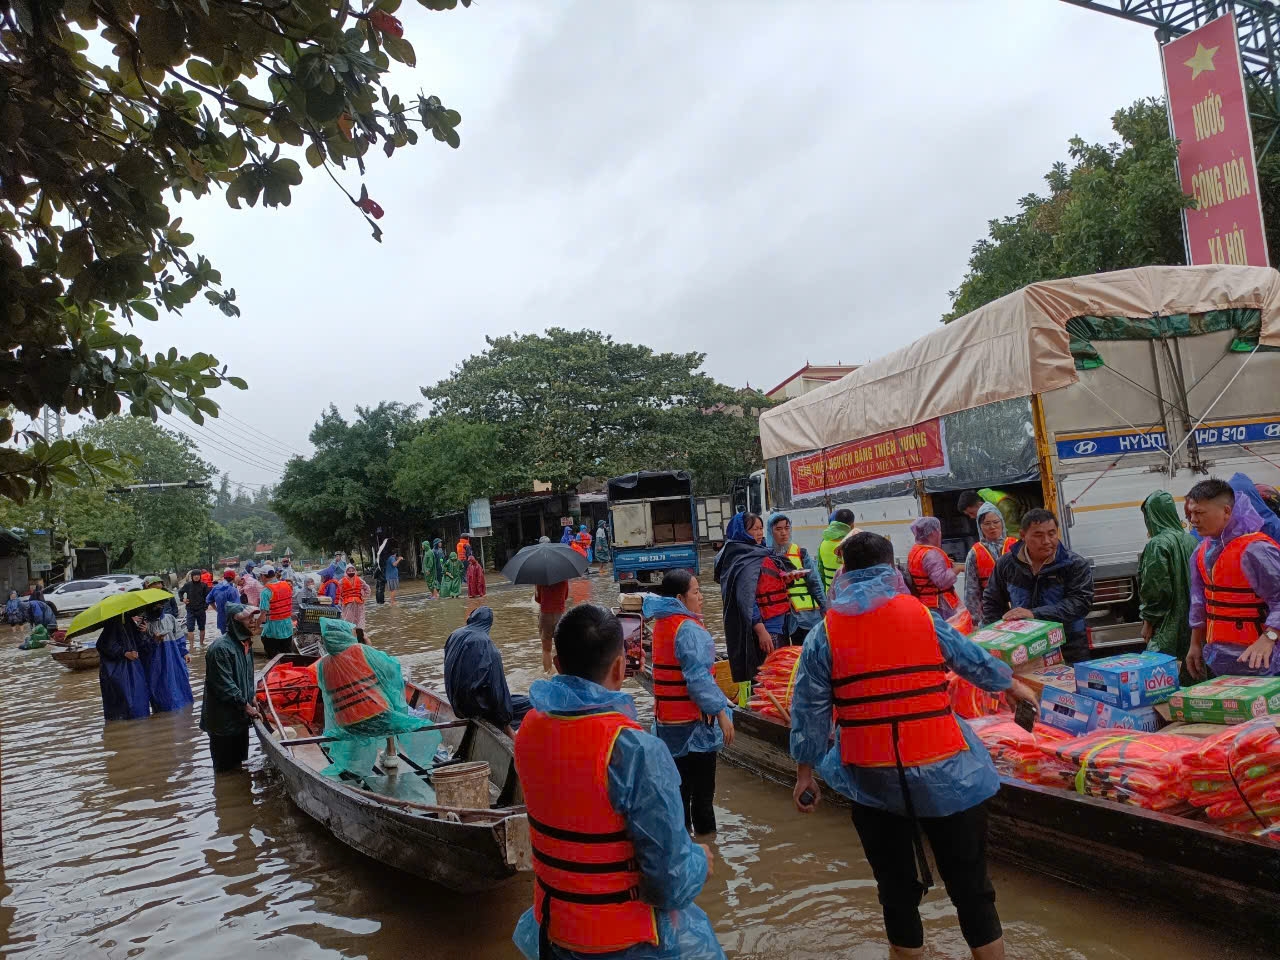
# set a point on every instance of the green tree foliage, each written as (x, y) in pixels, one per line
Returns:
(569, 404)
(241, 521)
(110, 111)
(156, 529)
(339, 497)
(1116, 206)
(448, 463)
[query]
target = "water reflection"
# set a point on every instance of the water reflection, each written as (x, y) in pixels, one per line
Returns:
(121, 842)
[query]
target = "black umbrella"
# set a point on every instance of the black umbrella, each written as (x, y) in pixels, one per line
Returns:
(544, 564)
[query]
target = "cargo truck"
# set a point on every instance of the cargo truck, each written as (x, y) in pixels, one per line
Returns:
(653, 519)
(1082, 395)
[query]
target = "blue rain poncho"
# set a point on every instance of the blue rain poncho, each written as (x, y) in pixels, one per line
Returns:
(937, 789)
(644, 787)
(40, 614)
(737, 570)
(13, 612)
(123, 681)
(223, 593)
(474, 680)
(696, 651)
(168, 679)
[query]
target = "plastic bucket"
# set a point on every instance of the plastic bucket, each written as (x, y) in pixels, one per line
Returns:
(463, 785)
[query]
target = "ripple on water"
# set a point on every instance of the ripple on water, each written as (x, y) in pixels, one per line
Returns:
(120, 842)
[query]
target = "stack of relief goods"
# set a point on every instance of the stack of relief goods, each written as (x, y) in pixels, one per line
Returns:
(771, 691)
(1227, 700)
(1144, 769)
(1235, 776)
(1113, 693)
(967, 700)
(1022, 644)
(1016, 751)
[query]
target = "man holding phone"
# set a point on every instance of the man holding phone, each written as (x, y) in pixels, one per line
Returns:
(903, 758)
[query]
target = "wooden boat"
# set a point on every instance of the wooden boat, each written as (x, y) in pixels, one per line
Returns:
(77, 656)
(465, 849)
(1231, 880)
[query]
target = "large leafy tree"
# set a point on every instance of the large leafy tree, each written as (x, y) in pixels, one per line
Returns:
(574, 403)
(448, 463)
(339, 497)
(1116, 206)
(112, 110)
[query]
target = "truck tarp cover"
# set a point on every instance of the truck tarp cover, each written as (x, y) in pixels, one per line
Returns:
(650, 484)
(1013, 347)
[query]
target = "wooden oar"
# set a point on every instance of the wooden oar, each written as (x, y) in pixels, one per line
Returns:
(782, 711)
(303, 741)
(494, 813)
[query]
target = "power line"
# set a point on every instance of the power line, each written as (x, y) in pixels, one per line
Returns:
(174, 425)
(278, 443)
(218, 442)
(259, 448)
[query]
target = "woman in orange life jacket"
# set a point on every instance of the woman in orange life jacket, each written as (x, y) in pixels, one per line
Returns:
(906, 762)
(933, 579)
(691, 714)
(981, 561)
(601, 790)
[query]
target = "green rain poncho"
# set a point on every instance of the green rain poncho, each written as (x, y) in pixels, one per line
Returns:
(380, 708)
(451, 582)
(1164, 572)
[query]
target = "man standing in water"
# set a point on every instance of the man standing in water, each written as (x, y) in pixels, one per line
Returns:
(276, 603)
(615, 872)
(228, 708)
(900, 755)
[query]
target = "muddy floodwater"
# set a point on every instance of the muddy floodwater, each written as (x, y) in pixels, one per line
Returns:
(118, 842)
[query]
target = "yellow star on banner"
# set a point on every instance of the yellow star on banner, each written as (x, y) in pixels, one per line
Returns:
(1202, 61)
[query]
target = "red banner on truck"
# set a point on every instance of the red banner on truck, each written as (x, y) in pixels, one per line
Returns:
(919, 451)
(1210, 118)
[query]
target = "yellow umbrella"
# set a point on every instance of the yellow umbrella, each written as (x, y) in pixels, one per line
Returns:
(112, 607)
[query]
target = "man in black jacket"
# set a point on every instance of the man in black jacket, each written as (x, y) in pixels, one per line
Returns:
(1040, 579)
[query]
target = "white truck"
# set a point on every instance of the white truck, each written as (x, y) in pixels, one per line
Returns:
(1081, 395)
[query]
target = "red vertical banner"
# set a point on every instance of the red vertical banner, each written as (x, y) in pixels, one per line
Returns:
(1210, 117)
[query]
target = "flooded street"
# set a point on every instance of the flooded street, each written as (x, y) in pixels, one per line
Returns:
(118, 843)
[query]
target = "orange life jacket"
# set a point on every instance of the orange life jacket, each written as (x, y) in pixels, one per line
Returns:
(351, 687)
(1008, 545)
(773, 594)
(351, 590)
(671, 700)
(281, 601)
(1233, 613)
(985, 564)
(325, 586)
(578, 546)
(586, 893)
(890, 687)
(922, 586)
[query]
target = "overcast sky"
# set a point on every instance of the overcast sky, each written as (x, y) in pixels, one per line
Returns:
(766, 183)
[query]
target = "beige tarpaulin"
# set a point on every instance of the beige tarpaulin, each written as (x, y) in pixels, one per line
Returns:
(1013, 347)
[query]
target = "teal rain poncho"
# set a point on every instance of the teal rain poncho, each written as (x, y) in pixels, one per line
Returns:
(1164, 571)
(363, 692)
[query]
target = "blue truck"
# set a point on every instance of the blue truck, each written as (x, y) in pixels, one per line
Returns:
(653, 527)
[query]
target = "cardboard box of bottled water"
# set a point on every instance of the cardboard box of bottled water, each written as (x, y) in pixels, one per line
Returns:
(1107, 717)
(1018, 642)
(1129, 680)
(1066, 710)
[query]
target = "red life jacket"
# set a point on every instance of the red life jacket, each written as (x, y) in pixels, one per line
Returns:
(773, 594)
(985, 564)
(921, 585)
(324, 586)
(351, 590)
(351, 687)
(281, 601)
(1008, 545)
(586, 893)
(1233, 613)
(890, 687)
(671, 700)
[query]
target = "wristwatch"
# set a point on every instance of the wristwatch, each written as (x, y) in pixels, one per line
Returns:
(1271, 635)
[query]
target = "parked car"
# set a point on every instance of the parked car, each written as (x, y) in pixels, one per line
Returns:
(76, 595)
(131, 580)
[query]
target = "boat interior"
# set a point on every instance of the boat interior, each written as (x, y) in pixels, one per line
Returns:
(294, 711)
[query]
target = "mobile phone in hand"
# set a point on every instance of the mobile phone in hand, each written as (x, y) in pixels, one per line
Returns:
(1024, 715)
(807, 798)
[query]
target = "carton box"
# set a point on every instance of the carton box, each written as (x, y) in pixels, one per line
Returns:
(1106, 717)
(1066, 710)
(1017, 642)
(1129, 680)
(1060, 676)
(682, 532)
(1227, 700)
(664, 533)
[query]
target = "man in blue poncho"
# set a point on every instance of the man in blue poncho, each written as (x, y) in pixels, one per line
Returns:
(120, 671)
(222, 594)
(474, 679)
(168, 679)
(615, 871)
(14, 614)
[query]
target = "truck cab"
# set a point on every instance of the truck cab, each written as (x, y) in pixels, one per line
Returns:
(653, 524)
